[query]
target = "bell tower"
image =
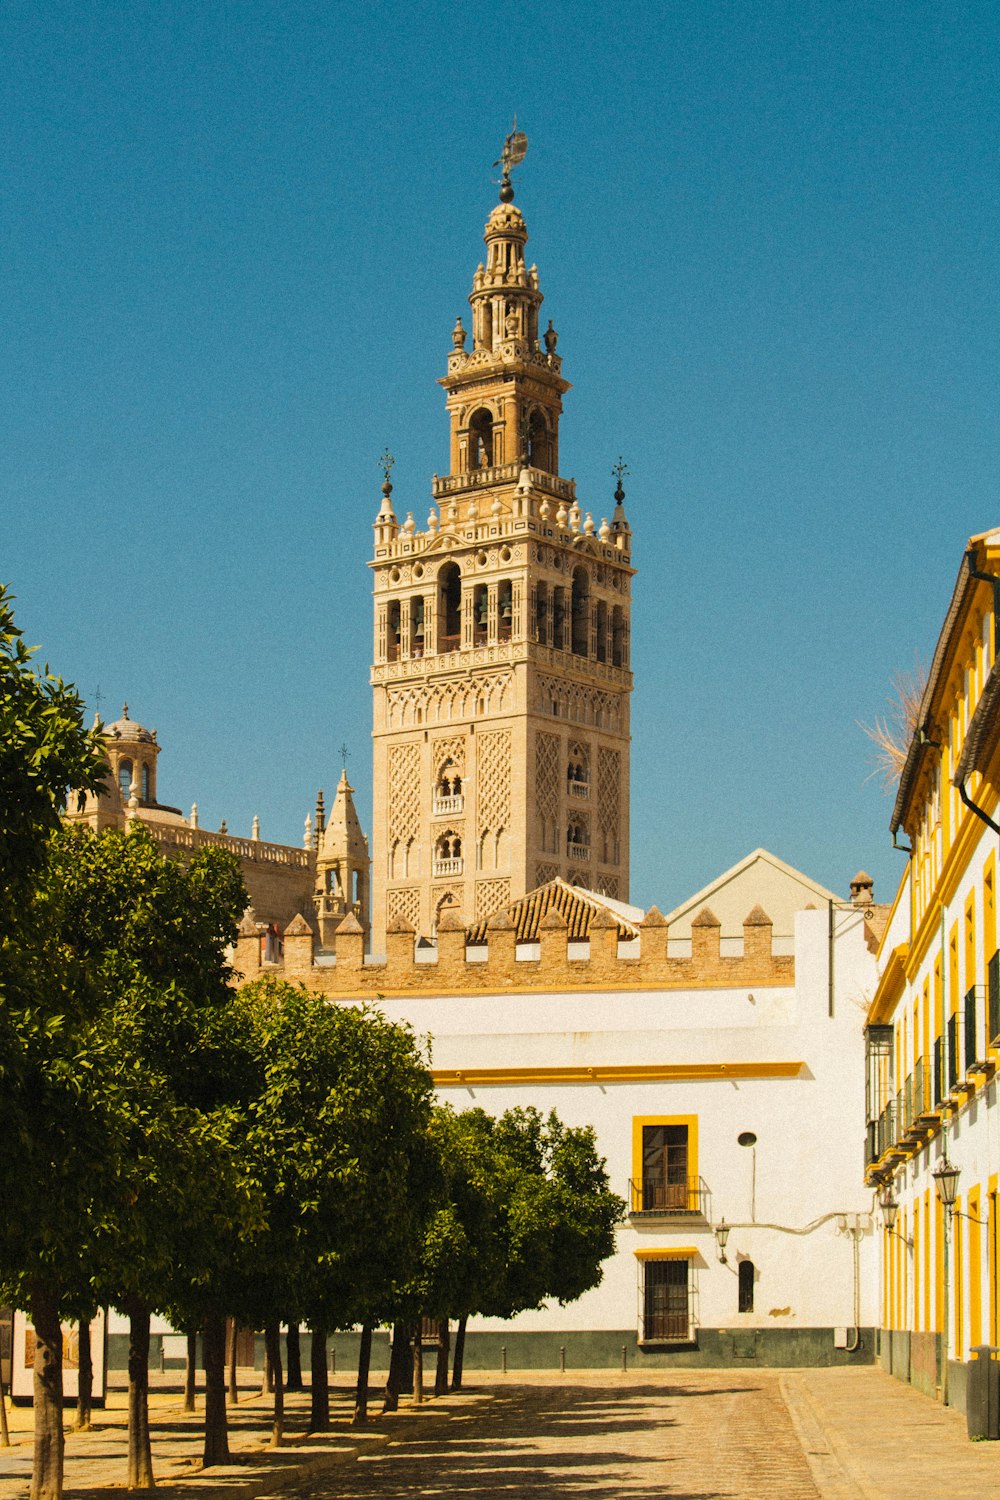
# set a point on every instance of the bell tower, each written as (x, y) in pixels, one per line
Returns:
(501, 674)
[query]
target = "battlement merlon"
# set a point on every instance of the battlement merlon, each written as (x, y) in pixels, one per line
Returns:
(539, 967)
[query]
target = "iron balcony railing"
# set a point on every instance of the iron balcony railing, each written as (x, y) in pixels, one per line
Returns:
(971, 1029)
(653, 1194)
(952, 1068)
(940, 1091)
(993, 998)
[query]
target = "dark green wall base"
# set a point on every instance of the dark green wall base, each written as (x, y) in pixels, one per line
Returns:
(603, 1349)
(581, 1350)
(916, 1358)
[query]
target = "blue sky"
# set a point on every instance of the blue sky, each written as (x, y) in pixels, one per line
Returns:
(235, 241)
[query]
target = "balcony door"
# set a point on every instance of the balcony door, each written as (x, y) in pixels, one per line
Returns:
(665, 1168)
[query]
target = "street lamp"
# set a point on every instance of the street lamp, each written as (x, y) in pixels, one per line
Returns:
(721, 1232)
(946, 1181)
(890, 1212)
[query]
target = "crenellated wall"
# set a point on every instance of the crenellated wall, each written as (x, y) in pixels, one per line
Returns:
(543, 966)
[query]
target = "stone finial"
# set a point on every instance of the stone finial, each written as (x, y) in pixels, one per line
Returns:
(349, 927)
(706, 930)
(307, 837)
(255, 829)
(458, 333)
(398, 925)
(588, 524)
(551, 339)
(193, 820)
(757, 927)
(223, 826)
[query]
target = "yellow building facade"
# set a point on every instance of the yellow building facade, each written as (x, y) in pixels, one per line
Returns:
(933, 1029)
(500, 671)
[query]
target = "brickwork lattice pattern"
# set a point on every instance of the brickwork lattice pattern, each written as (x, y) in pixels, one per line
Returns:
(547, 775)
(404, 792)
(490, 896)
(493, 781)
(404, 903)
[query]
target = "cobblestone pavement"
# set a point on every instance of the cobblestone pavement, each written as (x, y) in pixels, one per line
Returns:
(699, 1436)
(839, 1434)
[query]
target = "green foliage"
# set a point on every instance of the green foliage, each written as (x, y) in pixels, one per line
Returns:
(44, 749)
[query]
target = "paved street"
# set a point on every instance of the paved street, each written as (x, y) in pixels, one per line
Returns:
(684, 1435)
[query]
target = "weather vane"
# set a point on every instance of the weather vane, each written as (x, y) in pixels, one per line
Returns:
(386, 463)
(619, 470)
(343, 754)
(515, 148)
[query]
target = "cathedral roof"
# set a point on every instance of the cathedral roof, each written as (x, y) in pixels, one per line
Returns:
(576, 906)
(127, 729)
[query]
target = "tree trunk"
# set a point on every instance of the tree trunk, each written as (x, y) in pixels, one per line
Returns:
(232, 1389)
(272, 1341)
(4, 1430)
(319, 1383)
(85, 1391)
(364, 1365)
(443, 1350)
(418, 1366)
(140, 1454)
(267, 1381)
(47, 1469)
(213, 1346)
(190, 1368)
(399, 1360)
(459, 1361)
(293, 1351)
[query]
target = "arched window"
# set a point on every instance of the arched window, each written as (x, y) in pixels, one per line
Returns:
(581, 613)
(559, 619)
(448, 796)
(392, 632)
(449, 608)
(577, 837)
(145, 783)
(481, 439)
(480, 613)
(577, 771)
(602, 630)
(539, 447)
(125, 779)
(542, 614)
(448, 854)
(617, 636)
(505, 609)
(746, 1275)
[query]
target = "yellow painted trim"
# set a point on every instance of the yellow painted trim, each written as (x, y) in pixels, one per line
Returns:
(612, 984)
(891, 987)
(892, 910)
(616, 1073)
(639, 1121)
(681, 1252)
(956, 862)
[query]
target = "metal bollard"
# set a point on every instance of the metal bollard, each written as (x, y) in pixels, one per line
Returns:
(503, 1359)
(333, 1361)
(562, 1359)
(163, 1357)
(624, 1359)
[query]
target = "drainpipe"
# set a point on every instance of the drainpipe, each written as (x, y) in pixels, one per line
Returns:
(974, 807)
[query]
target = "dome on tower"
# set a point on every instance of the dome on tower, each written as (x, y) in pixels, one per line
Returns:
(127, 729)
